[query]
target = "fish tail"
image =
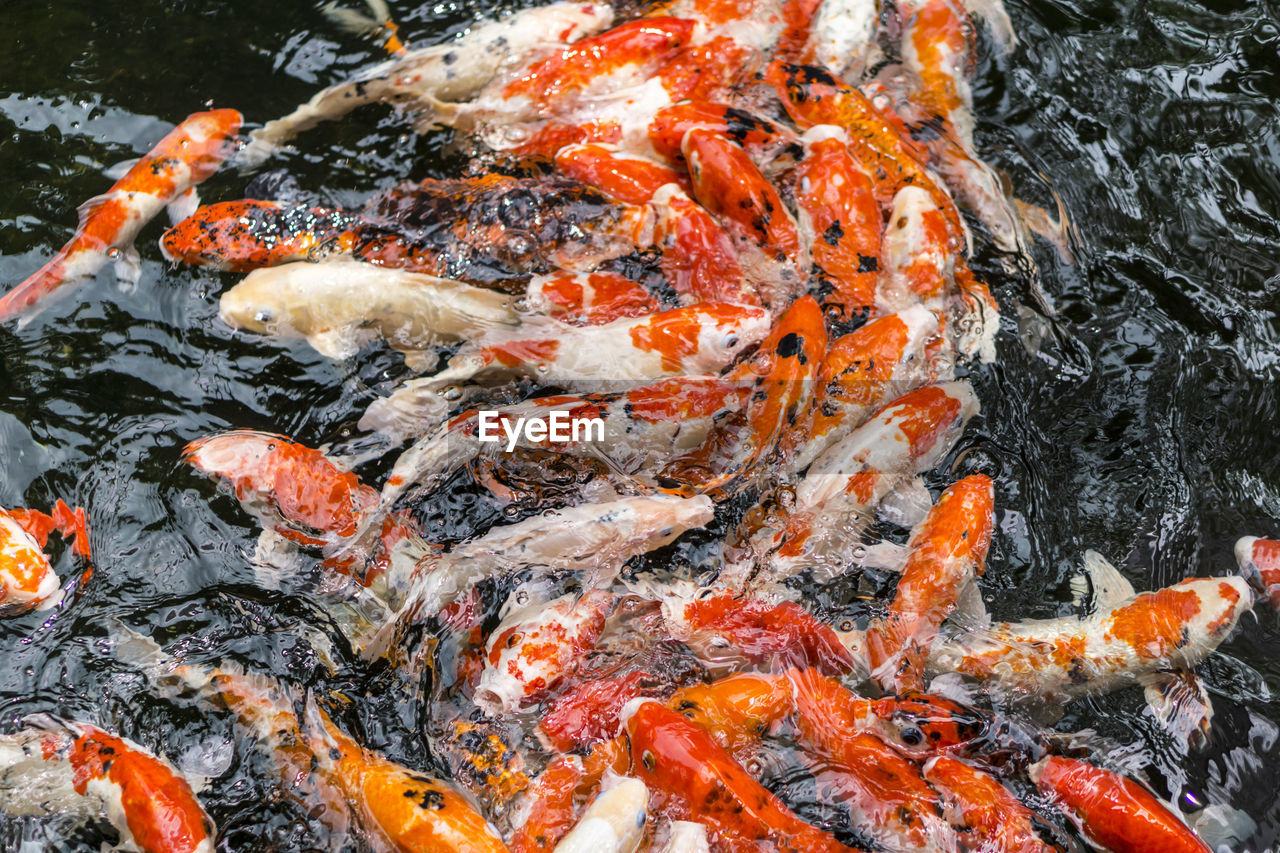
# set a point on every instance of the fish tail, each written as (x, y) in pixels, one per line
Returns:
(35, 288)
(379, 25)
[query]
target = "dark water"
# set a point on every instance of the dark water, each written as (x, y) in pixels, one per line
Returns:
(1143, 425)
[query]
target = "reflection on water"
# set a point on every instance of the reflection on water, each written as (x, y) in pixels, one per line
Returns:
(1142, 425)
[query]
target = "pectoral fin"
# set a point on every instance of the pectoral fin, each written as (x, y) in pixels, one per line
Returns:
(183, 206)
(1180, 704)
(128, 266)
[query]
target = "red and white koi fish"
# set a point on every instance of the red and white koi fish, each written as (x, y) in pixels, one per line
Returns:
(1130, 637)
(27, 579)
(535, 649)
(988, 816)
(835, 500)
(1262, 556)
(1114, 812)
(431, 81)
(589, 298)
(339, 305)
(167, 175)
(948, 551)
(54, 767)
(693, 777)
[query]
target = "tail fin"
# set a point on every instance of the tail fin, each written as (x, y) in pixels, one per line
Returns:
(378, 27)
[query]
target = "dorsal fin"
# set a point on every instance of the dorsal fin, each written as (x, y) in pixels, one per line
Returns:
(1110, 588)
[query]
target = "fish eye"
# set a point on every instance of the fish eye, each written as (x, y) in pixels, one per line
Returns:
(731, 341)
(264, 316)
(911, 736)
(514, 640)
(648, 760)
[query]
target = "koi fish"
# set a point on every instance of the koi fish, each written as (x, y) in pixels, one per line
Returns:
(988, 815)
(167, 175)
(1262, 557)
(884, 791)
(693, 777)
(842, 225)
(54, 767)
(1129, 637)
(27, 579)
(339, 305)
(589, 298)
(613, 823)
(535, 649)
(1114, 812)
(428, 81)
(835, 499)
(948, 551)
(865, 369)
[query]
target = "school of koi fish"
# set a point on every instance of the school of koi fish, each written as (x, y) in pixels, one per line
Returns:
(731, 234)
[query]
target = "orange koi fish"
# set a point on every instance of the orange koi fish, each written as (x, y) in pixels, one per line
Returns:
(814, 96)
(53, 766)
(727, 182)
(699, 260)
(863, 370)
(693, 777)
(842, 224)
(988, 816)
(629, 178)
(1115, 813)
(781, 376)
(27, 579)
(948, 550)
(754, 134)
(627, 53)
(239, 236)
(189, 154)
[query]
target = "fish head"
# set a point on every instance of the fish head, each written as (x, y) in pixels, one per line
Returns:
(270, 302)
(27, 579)
(725, 332)
(207, 142)
(921, 724)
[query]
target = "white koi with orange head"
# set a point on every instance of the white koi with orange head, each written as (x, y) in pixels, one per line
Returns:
(27, 580)
(189, 154)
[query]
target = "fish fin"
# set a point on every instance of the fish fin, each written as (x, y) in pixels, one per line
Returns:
(421, 360)
(971, 611)
(1057, 231)
(1180, 704)
(1234, 679)
(885, 556)
(993, 14)
(274, 559)
(91, 206)
(128, 267)
(1223, 827)
(1110, 588)
(338, 344)
(116, 171)
(907, 505)
(954, 686)
(183, 206)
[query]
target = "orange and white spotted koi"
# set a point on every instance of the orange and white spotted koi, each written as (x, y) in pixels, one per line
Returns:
(865, 369)
(167, 175)
(54, 767)
(589, 298)
(1114, 812)
(27, 578)
(1128, 638)
(948, 551)
(536, 649)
